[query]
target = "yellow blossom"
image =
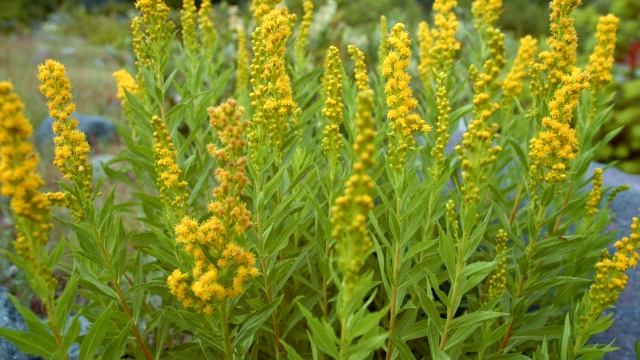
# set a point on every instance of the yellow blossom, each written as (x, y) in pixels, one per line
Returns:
(349, 214)
(125, 82)
(404, 123)
(207, 32)
(303, 32)
(442, 136)
(427, 61)
(242, 67)
(188, 23)
(512, 85)
(360, 72)
(563, 41)
(172, 189)
(332, 141)
(383, 48)
(601, 60)
(486, 12)
(595, 195)
(260, 8)
(446, 25)
(498, 280)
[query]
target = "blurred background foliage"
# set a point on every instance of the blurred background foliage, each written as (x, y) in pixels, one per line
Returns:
(93, 38)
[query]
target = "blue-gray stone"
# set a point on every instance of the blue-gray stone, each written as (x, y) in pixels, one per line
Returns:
(10, 318)
(97, 128)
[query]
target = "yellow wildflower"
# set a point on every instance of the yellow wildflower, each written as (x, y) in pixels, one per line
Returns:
(610, 278)
(556, 143)
(20, 181)
(512, 85)
(595, 195)
(222, 267)
(442, 136)
(563, 41)
(188, 23)
(260, 8)
(360, 72)
(498, 280)
(172, 189)
(404, 123)
(303, 32)
(125, 82)
(486, 12)
(71, 146)
(242, 67)
(383, 48)
(271, 99)
(444, 32)
(427, 61)
(332, 141)
(207, 32)
(350, 211)
(601, 60)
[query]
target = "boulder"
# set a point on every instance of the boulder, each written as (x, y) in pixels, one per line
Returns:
(10, 318)
(99, 130)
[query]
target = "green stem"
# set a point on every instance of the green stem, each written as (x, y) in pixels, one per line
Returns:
(396, 266)
(224, 317)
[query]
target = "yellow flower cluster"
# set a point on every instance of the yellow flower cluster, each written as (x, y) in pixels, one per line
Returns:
(125, 81)
(150, 43)
(476, 153)
(21, 182)
(350, 212)
(426, 67)
(595, 195)
(305, 24)
(172, 189)
(360, 71)
(222, 267)
(442, 136)
(404, 123)
(242, 65)
(556, 144)
(446, 25)
(563, 41)
(188, 23)
(207, 31)
(142, 59)
(601, 60)
(271, 99)
(486, 12)
(332, 141)
(512, 85)
(498, 280)
(610, 278)
(383, 47)
(260, 8)
(71, 146)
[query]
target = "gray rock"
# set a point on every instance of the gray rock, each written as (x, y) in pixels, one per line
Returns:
(97, 128)
(10, 318)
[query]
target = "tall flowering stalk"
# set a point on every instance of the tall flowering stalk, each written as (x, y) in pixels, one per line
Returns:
(303, 31)
(426, 67)
(404, 124)
(188, 22)
(125, 81)
(445, 45)
(512, 85)
(242, 64)
(486, 13)
(208, 33)
(261, 8)
(71, 146)
(349, 215)
(332, 141)
(31, 208)
(360, 71)
(561, 58)
(222, 265)
(601, 60)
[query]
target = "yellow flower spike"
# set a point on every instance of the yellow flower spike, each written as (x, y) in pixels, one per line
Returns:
(442, 136)
(498, 280)
(512, 85)
(260, 8)
(125, 81)
(142, 59)
(71, 146)
(486, 13)
(172, 190)
(595, 195)
(563, 41)
(57, 199)
(427, 61)
(446, 25)
(242, 65)
(556, 143)
(272, 100)
(208, 32)
(352, 208)
(188, 23)
(303, 32)
(222, 266)
(360, 71)
(601, 60)
(404, 123)
(21, 182)
(610, 278)
(332, 141)
(383, 48)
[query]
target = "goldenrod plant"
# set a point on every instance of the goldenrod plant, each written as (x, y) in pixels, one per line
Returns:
(268, 205)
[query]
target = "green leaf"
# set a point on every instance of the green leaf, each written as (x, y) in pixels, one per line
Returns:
(65, 302)
(115, 349)
(291, 352)
(36, 327)
(255, 321)
(323, 334)
(30, 343)
(90, 281)
(94, 337)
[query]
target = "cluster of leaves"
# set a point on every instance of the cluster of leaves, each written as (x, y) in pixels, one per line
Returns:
(505, 274)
